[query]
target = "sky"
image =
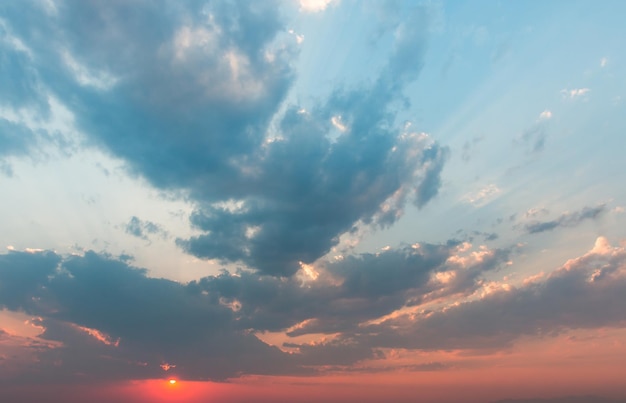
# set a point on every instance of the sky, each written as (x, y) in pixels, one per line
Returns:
(313, 200)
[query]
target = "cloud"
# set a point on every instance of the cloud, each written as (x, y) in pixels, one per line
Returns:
(22, 273)
(104, 311)
(468, 148)
(354, 290)
(566, 219)
(534, 137)
(184, 93)
(307, 190)
(97, 308)
(483, 196)
(142, 229)
(604, 61)
(315, 6)
(15, 140)
(547, 114)
(574, 92)
(582, 294)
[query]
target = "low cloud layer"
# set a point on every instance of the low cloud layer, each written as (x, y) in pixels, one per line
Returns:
(96, 308)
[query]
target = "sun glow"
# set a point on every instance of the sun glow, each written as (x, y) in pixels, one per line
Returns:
(172, 381)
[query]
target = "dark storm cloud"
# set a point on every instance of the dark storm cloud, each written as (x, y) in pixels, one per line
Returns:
(566, 219)
(185, 92)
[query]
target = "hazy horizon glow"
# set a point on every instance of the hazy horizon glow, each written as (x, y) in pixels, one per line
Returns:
(313, 200)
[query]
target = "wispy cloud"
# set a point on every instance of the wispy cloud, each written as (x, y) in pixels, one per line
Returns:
(545, 115)
(604, 62)
(482, 196)
(566, 219)
(574, 92)
(142, 229)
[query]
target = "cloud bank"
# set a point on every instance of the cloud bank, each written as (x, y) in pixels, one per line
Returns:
(96, 308)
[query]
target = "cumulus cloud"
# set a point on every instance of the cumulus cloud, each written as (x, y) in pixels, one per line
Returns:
(307, 190)
(566, 219)
(185, 93)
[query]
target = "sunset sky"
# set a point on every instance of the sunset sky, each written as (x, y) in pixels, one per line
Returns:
(314, 200)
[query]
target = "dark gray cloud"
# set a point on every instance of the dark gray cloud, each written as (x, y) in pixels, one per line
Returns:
(144, 322)
(103, 310)
(308, 190)
(22, 275)
(347, 292)
(185, 92)
(152, 320)
(566, 219)
(583, 294)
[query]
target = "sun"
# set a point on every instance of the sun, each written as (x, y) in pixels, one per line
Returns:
(172, 381)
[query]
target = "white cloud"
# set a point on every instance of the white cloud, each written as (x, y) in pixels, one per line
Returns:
(481, 197)
(299, 37)
(603, 62)
(101, 80)
(338, 123)
(314, 6)
(618, 210)
(545, 115)
(574, 92)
